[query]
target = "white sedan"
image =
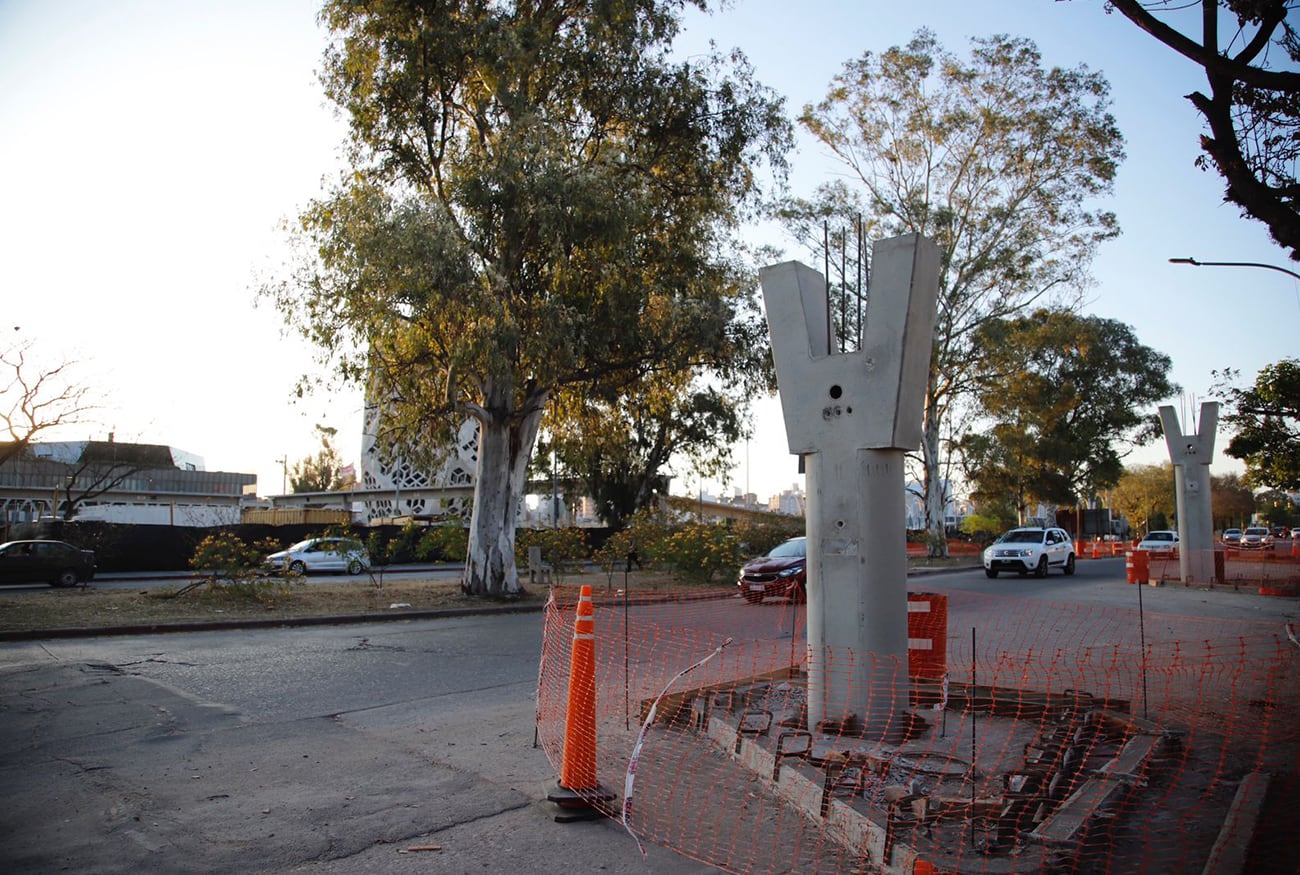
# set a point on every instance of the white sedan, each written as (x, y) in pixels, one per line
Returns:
(322, 554)
(1160, 542)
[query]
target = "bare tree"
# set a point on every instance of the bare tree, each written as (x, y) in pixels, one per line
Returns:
(36, 399)
(1253, 108)
(104, 467)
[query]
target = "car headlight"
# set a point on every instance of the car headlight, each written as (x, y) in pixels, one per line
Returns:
(789, 572)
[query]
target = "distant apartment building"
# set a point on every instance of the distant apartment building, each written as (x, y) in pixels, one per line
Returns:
(791, 502)
(110, 481)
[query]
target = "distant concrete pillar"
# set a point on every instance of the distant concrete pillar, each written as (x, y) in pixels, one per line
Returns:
(853, 416)
(1191, 455)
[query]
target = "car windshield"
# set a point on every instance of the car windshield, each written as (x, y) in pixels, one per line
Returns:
(1257, 531)
(1022, 536)
(300, 546)
(795, 547)
(1160, 536)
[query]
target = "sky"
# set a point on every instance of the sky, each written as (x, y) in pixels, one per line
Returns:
(153, 150)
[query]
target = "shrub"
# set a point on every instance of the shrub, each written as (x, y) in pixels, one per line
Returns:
(450, 543)
(230, 567)
(981, 528)
(699, 551)
(758, 537)
(564, 548)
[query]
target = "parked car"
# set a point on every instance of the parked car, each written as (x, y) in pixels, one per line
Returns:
(1030, 549)
(54, 562)
(1232, 537)
(782, 572)
(1256, 538)
(1160, 541)
(322, 554)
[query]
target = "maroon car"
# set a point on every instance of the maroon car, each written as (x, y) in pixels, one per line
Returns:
(782, 572)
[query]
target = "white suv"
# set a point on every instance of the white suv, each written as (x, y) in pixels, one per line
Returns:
(1030, 549)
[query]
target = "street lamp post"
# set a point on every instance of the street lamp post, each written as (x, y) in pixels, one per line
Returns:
(1195, 263)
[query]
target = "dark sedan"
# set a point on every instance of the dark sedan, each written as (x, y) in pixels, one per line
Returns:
(782, 572)
(53, 562)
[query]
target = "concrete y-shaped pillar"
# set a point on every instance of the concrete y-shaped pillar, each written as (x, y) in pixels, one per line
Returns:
(852, 416)
(1191, 456)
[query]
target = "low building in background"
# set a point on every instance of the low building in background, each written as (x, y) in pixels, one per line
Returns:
(108, 481)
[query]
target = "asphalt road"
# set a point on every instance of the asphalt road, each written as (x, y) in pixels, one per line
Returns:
(349, 749)
(320, 750)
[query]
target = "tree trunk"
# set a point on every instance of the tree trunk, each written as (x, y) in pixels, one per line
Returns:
(935, 497)
(505, 444)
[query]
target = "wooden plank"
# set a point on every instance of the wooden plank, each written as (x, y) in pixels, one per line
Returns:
(1070, 816)
(1136, 751)
(1231, 848)
(673, 703)
(1097, 792)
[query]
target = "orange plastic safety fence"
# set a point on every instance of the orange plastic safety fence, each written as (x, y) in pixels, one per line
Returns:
(1050, 737)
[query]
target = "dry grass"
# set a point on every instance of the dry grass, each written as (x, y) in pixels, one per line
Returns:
(96, 607)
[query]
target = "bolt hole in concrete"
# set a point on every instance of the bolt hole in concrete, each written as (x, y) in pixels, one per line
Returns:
(836, 391)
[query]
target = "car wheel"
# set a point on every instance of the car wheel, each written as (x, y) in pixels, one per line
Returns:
(990, 572)
(354, 567)
(1041, 570)
(297, 567)
(66, 578)
(1069, 565)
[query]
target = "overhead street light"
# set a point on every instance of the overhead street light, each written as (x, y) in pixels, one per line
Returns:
(1194, 262)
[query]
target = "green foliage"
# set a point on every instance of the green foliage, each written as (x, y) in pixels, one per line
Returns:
(322, 472)
(1061, 390)
(232, 568)
(378, 549)
(406, 545)
(1266, 417)
(696, 551)
(447, 543)
(1276, 508)
(1231, 501)
(542, 200)
(615, 552)
(645, 531)
(564, 548)
(700, 551)
(1145, 496)
(757, 536)
(982, 528)
(621, 444)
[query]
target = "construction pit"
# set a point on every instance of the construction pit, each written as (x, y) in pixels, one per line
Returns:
(972, 779)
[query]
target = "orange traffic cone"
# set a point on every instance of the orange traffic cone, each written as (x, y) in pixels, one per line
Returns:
(578, 787)
(578, 768)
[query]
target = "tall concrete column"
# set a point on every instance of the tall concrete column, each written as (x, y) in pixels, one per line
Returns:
(1191, 455)
(853, 416)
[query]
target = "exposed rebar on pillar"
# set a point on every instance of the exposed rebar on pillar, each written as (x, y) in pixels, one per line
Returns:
(852, 416)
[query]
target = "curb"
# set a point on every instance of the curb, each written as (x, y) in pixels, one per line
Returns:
(287, 622)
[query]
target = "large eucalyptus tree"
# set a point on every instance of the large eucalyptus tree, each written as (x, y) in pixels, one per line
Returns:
(541, 200)
(1003, 161)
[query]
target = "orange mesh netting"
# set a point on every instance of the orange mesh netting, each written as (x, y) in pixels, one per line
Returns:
(1030, 736)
